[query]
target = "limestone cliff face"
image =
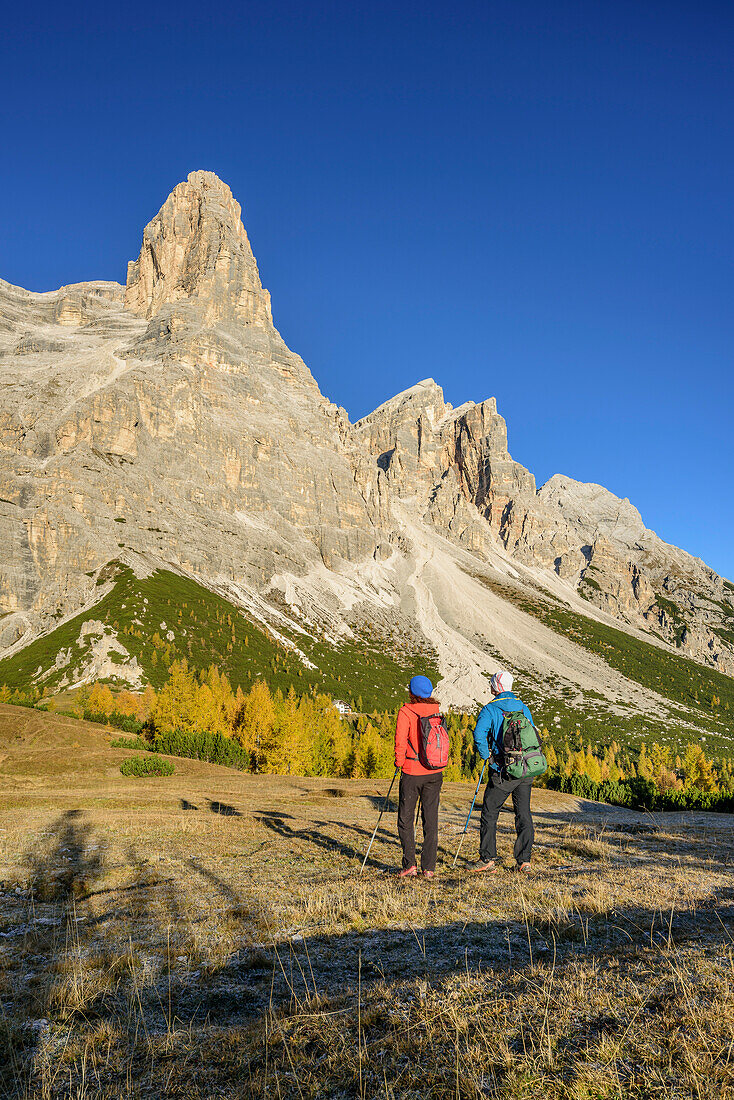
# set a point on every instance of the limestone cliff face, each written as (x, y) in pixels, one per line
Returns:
(454, 466)
(167, 423)
(632, 573)
(454, 461)
(177, 426)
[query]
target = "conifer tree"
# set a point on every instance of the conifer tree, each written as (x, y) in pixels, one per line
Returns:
(367, 753)
(256, 723)
(697, 770)
(101, 700)
(289, 750)
(592, 767)
(174, 706)
(644, 764)
(148, 701)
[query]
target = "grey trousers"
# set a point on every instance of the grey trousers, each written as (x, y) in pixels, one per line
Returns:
(496, 794)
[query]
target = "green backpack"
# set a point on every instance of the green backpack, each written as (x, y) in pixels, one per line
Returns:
(523, 756)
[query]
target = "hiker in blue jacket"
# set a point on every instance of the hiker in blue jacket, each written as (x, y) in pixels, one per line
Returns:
(488, 743)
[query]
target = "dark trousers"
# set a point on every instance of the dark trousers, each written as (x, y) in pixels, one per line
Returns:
(429, 788)
(495, 796)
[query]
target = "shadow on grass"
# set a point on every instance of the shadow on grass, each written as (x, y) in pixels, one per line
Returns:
(88, 955)
(316, 834)
(121, 960)
(223, 808)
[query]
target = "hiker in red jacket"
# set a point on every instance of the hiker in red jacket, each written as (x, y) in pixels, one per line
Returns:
(430, 742)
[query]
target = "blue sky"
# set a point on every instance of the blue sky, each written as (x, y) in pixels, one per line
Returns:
(532, 201)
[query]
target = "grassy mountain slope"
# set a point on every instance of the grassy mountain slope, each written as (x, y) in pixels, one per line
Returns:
(700, 701)
(677, 678)
(167, 617)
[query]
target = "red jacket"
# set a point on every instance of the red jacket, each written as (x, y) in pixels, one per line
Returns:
(406, 738)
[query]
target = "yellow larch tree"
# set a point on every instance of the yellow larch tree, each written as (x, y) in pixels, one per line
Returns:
(175, 702)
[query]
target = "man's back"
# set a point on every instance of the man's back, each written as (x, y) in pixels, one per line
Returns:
(488, 730)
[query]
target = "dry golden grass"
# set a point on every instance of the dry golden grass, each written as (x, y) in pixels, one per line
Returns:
(209, 935)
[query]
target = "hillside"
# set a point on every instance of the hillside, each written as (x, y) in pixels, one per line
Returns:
(218, 920)
(141, 625)
(159, 442)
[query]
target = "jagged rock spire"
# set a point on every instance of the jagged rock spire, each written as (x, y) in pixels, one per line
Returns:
(196, 248)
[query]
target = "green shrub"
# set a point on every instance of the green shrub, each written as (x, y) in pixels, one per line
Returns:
(146, 765)
(203, 746)
(644, 793)
(125, 722)
(213, 748)
(582, 786)
(615, 793)
(130, 743)
(640, 793)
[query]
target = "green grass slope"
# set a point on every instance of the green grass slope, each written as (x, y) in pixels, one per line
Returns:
(698, 696)
(167, 617)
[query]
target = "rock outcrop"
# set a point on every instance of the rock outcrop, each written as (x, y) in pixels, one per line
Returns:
(454, 462)
(196, 248)
(177, 426)
(455, 468)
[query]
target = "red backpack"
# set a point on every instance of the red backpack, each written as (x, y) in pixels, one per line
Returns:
(434, 747)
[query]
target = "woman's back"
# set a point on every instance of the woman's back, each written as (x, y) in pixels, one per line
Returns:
(406, 735)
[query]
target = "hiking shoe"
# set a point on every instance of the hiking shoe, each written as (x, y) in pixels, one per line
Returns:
(523, 868)
(489, 865)
(408, 872)
(428, 874)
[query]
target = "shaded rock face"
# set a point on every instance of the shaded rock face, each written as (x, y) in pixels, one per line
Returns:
(167, 423)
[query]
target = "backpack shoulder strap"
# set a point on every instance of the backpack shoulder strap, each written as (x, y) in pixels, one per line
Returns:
(414, 748)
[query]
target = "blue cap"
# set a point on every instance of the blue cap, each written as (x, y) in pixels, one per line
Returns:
(422, 687)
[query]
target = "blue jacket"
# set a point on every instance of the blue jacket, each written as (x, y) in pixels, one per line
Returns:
(489, 726)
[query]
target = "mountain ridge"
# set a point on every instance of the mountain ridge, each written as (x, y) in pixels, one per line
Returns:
(168, 425)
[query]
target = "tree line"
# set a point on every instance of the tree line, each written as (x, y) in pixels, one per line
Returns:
(285, 733)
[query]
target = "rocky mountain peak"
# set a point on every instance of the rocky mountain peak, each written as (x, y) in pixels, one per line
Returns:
(455, 459)
(423, 399)
(593, 510)
(196, 248)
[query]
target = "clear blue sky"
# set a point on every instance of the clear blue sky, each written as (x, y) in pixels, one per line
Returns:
(531, 200)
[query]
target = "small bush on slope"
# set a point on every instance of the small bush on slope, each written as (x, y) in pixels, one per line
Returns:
(146, 765)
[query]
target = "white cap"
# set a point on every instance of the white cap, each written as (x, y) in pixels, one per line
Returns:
(501, 681)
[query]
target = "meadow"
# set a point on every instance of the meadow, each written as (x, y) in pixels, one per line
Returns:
(208, 934)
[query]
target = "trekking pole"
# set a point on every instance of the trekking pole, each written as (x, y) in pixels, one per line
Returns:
(384, 807)
(471, 811)
(418, 810)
